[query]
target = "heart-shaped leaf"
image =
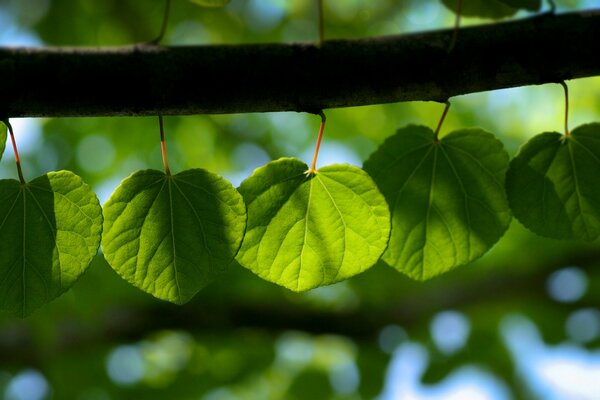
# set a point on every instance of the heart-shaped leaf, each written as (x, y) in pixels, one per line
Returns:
(50, 230)
(530, 5)
(2, 138)
(211, 3)
(447, 198)
(171, 235)
(493, 9)
(552, 184)
(310, 230)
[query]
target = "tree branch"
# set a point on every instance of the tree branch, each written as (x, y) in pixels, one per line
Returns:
(148, 80)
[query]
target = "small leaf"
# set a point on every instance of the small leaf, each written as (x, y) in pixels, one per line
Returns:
(492, 9)
(171, 235)
(50, 230)
(552, 184)
(447, 199)
(310, 230)
(211, 3)
(2, 138)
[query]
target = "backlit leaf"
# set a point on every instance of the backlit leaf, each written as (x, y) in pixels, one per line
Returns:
(552, 184)
(2, 138)
(306, 231)
(531, 5)
(211, 3)
(493, 9)
(171, 235)
(50, 230)
(447, 199)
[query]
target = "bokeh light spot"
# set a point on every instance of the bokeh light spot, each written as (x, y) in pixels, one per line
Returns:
(95, 153)
(264, 15)
(27, 385)
(567, 285)
(344, 378)
(125, 365)
(583, 325)
(294, 348)
(450, 331)
(390, 337)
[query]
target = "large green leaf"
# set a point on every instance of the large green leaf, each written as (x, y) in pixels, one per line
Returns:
(493, 9)
(50, 230)
(530, 5)
(211, 3)
(552, 184)
(309, 230)
(447, 198)
(2, 138)
(171, 235)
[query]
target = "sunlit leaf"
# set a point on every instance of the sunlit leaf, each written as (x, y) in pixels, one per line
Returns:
(50, 230)
(2, 138)
(171, 235)
(306, 231)
(211, 3)
(447, 199)
(493, 9)
(552, 184)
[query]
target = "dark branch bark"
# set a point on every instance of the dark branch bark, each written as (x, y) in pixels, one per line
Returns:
(147, 80)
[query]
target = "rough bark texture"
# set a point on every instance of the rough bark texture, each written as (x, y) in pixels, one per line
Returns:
(147, 80)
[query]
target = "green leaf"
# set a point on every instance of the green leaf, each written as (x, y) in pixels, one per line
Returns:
(211, 3)
(447, 199)
(552, 184)
(310, 230)
(50, 230)
(2, 138)
(493, 9)
(530, 5)
(171, 235)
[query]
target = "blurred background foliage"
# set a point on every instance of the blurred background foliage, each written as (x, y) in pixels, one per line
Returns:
(522, 322)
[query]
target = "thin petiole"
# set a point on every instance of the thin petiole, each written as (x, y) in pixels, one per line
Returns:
(456, 26)
(16, 151)
(321, 23)
(564, 85)
(163, 28)
(313, 165)
(163, 145)
(442, 118)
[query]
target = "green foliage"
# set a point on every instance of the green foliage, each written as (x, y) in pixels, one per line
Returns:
(211, 3)
(49, 232)
(531, 5)
(552, 184)
(171, 235)
(447, 198)
(312, 229)
(236, 330)
(493, 9)
(2, 139)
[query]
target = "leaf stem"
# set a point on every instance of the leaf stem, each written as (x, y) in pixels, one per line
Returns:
(456, 26)
(14, 144)
(564, 85)
(313, 165)
(321, 23)
(442, 118)
(165, 21)
(163, 145)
